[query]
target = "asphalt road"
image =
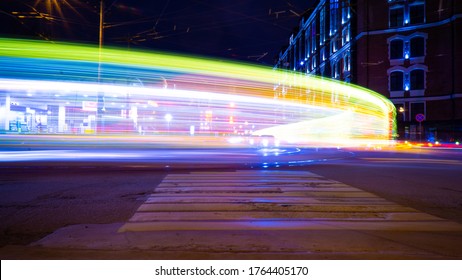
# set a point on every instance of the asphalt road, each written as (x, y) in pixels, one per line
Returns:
(39, 198)
(426, 179)
(35, 203)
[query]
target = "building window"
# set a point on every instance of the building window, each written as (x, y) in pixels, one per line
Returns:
(345, 11)
(396, 80)
(346, 35)
(322, 26)
(406, 12)
(417, 108)
(301, 48)
(406, 49)
(333, 16)
(333, 45)
(307, 42)
(396, 16)
(335, 70)
(417, 46)
(295, 56)
(396, 49)
(417, 13)
(346, 65)
(313, 36)
(291, 58)
(417, 79)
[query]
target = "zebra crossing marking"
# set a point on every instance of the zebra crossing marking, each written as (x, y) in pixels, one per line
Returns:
(272, 200)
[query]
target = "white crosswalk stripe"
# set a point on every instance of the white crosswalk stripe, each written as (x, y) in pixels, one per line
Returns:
(272, 200)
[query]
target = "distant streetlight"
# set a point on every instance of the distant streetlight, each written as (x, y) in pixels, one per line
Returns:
(53, 6)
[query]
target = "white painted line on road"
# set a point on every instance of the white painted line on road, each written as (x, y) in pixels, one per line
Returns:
(404, 226)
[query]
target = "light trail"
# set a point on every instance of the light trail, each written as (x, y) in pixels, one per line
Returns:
(51, 88)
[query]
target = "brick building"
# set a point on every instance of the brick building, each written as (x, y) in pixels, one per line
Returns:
(408, 50)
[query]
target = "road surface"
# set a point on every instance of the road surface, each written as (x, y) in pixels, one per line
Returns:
(353, 204)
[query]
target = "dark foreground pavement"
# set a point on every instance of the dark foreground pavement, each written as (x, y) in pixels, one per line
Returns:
(307, 245)
(222, 214)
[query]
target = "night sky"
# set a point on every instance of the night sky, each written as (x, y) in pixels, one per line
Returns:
(249, 30)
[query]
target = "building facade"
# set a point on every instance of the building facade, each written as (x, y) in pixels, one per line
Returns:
(407, 50)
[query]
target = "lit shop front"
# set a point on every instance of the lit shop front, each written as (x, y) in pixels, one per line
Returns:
(29, 109)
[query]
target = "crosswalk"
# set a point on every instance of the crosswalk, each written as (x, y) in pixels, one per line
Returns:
(272, 200)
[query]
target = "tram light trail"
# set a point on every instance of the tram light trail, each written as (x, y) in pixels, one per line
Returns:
(53, 89)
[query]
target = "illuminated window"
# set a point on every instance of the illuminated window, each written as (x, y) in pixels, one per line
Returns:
(346, 65)
(417, 13)
(417, 46)
(307, 42)
(345, 11)
(406, 50)
(396, 16)
(322, 26)
(396, 80)
(417, 79)
(333, 45)
(334, 70)
(346, 35)
(301, 48)
(396, 49)
(313, 36)
(333, 16)
(295, 54)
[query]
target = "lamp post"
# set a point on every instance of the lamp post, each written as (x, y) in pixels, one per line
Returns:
(100, 101)
(401, 124)
(101, 22)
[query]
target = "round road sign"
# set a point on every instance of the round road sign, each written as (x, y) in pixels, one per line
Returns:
(420, 117)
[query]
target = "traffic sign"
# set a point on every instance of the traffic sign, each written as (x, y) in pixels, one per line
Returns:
(420, 117)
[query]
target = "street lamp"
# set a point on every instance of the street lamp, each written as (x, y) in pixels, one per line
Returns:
(401, 120)
(402, 111)
(100, 101)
